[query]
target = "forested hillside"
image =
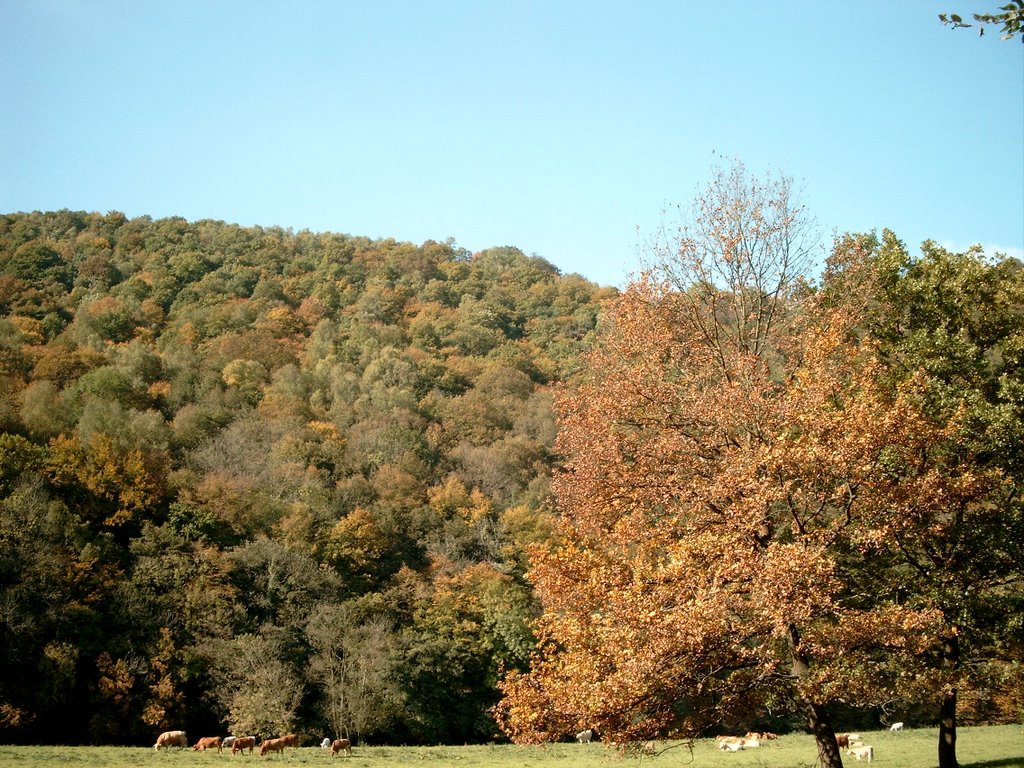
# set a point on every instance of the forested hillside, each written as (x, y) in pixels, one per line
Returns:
(253, 479)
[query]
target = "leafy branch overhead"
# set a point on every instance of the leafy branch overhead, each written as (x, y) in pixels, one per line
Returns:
(1010, 19)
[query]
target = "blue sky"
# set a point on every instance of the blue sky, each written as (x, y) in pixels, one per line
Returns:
(563, 127)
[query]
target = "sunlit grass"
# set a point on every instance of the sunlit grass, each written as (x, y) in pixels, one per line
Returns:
(989, 747)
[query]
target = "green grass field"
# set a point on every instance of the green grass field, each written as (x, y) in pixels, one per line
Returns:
(989, 747)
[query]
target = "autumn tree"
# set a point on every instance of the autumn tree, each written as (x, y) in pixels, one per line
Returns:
(725, 461)
(166, 699)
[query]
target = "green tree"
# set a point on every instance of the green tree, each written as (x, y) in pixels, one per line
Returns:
(258, 689)
(56, 580)
(281, 585)
(355, 662)
(467, 625)
(44, 412)
(37, 262)
(953, 323)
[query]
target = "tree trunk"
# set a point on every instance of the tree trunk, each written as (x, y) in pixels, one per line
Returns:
(821, 727)
(817, 718)
(947, 710)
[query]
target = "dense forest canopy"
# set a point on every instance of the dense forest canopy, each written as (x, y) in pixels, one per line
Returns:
(255, 480)
(263, 480)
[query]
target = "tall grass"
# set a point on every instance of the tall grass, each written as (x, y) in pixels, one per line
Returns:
(987, 747)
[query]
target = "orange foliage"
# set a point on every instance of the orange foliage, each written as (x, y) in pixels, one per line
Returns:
(124, 484)
(710, 497)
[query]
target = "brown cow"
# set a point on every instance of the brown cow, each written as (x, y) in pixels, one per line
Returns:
(290, 740)
(207, 742)
(341, 745)
(170, 739)
(242, 743)
(272, 745)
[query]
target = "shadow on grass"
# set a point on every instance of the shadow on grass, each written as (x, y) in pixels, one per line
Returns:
(1006, 762)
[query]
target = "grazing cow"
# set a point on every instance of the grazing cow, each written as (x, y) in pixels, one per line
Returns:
(170, 739)
(242, 743)
(585, 737)
(227, 742)
(290, 740)
(272, 745)
(325, 744)
(207, 742)
(865, 751)
(896, 727)
(341, 745)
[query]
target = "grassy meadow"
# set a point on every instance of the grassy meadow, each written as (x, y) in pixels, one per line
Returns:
(987, 747)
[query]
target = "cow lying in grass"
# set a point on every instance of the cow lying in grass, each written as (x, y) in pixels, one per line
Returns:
(736, 743)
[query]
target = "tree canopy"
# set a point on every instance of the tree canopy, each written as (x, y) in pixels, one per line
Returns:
(213, 435)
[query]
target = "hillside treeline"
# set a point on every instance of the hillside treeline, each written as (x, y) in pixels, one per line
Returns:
(258, 480)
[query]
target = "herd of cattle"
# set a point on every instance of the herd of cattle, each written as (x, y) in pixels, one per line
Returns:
(853, 743)
(237, 744)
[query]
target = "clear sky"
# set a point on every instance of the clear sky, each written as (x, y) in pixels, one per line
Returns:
(562, 127)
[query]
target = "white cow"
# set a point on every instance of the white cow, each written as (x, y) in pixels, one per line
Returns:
(169, 739)
(896, 727)
(585, 737)
(866, 751)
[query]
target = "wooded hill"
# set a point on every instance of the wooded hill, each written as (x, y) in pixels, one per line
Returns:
(261, 480)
